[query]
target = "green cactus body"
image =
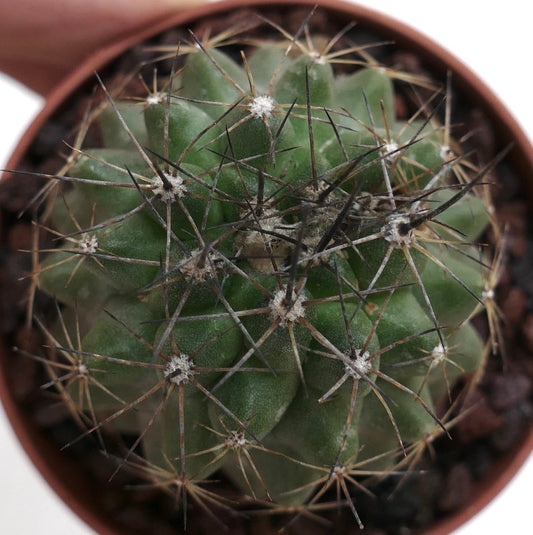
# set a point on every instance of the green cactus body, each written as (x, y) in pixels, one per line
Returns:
(259, 275)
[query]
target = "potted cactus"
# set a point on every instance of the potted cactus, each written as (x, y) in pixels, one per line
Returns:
(259, 274)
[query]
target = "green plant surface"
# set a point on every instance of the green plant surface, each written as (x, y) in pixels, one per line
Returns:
(263, 272)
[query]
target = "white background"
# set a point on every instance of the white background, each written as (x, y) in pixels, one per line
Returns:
(494, 39)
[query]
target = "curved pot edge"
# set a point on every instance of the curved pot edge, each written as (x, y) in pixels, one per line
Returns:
(522, 156)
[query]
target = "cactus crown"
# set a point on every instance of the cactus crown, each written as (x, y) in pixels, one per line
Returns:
(263, 271)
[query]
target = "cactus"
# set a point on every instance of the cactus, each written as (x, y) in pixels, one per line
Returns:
(263, 272)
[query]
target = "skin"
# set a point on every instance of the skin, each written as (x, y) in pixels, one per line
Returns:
(42, 41)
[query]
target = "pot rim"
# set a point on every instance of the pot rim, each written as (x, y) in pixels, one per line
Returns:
(45, 457)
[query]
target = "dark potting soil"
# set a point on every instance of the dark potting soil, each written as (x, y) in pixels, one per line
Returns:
(500, 406)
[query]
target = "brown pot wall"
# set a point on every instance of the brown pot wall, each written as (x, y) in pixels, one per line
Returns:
(61, 475)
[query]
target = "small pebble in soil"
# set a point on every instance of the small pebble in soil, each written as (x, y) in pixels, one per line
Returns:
(509, 390)
(480, 420)
(514, 305)
(527, 331)
(456, 489)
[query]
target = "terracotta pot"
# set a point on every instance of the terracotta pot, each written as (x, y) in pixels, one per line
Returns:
(67, 479)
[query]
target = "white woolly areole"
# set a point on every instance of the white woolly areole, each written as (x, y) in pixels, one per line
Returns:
(340, 471)
(287, 310)
(259, 247)
(360, 365)
(364, 203)
(388, 149)
(261, 107)
(83, 371)
(179, 370)
(397, 231)
(236, 440)
(88, 244)
(201, 267)
(487, 294)
(154, 98)
(172, 189)
(317, 57)
(438, 353)
(446, 153)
